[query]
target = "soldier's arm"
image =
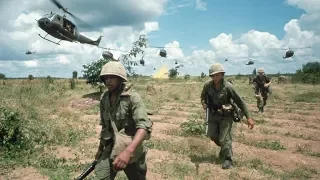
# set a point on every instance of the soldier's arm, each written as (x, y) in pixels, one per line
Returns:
(268, 81)
(203, 96)
(143, 123)
(239, 101)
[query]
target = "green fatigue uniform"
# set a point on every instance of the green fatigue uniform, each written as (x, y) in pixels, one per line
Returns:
(259, 88)
(220, 122)
(129, 114)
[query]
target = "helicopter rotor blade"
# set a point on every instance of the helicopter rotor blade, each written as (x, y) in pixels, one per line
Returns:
(80, 21)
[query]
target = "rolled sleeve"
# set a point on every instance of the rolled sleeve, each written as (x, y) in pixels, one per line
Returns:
(139, 113)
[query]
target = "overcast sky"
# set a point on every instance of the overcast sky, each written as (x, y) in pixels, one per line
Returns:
(202, 31)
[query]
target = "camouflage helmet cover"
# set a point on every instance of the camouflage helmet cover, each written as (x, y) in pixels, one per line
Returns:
(260, 70)
(216, 68)
(114, 68)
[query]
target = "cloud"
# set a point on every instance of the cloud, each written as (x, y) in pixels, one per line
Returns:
(30, 63)
(200, 5)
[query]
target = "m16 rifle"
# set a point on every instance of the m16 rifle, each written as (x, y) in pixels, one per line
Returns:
(87, 171)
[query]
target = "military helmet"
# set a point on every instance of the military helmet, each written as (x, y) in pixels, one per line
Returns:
(216, 68)
(114, 68)
(260, 70)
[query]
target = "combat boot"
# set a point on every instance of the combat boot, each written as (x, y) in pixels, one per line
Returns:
(227, 164)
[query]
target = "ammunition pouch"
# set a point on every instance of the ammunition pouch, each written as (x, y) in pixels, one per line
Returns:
(224, 110)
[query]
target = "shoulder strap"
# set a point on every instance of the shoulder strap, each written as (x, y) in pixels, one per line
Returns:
(114, 127)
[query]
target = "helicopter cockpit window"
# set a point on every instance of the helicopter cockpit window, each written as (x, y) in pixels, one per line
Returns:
(49, 16)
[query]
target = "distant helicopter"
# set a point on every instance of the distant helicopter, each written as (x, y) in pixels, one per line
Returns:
(62, 28)
(290, 52)
(250, 62)
(226, 59)
(142, 60)
(29, 52)
(163, 52)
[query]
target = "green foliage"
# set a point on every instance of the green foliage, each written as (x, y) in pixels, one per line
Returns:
(194, 126)
(10, 128)
(92, 71)
(254, 72)
(187, 76)
(75, 74)
(30, 77)
(173, 73)
(136, 49)
(310, 74)
(2, 76)
(72, 83)
(49, 79)
(202, 75)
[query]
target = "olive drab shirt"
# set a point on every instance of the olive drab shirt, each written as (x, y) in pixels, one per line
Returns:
(260, 83)
(223, 96)
(128, 113)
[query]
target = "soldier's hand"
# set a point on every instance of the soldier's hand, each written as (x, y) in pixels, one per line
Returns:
(204, 106)
(266, 85)
(121, 160)
(250, 123)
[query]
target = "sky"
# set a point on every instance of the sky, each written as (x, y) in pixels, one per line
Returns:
(195, 33)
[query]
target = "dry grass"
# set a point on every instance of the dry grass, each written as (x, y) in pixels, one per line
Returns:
(283, 145)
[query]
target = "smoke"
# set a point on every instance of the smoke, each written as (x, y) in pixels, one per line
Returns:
(162, 73)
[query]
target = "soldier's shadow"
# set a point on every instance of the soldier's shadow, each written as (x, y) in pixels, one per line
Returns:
(94, 95)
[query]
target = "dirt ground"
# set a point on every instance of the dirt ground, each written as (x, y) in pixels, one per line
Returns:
(292, 128)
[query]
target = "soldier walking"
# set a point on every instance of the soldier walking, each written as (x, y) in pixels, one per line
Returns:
(122, 111)
(217, 95)
(262, 89)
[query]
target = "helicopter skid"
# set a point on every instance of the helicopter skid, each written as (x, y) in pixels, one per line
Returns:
(49, 39)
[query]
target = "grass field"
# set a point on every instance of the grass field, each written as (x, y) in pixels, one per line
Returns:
(63, 125)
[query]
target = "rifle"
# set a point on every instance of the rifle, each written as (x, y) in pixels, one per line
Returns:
(87, 171)
(208, 103)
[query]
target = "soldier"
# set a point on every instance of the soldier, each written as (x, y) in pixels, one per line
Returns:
(262, 88)
(217, 95)
(129, 116)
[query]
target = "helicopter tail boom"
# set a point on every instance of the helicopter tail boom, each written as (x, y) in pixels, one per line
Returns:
(83, 39)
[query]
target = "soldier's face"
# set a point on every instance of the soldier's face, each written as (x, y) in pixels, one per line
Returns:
(112, 82)
(217, 77)
(260, 74)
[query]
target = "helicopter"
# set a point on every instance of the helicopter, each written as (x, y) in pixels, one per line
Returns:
(62, 28)
(163, 52)
(29, 52)
(250, 62)
(142, 60)
(290, 52)
(226, 59)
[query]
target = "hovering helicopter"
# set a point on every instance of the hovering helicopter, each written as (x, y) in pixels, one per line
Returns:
(290, 52)
(163, 52)
(226, 59)
(62, 28)
(142, 60)
(29, 52)
(250, 62)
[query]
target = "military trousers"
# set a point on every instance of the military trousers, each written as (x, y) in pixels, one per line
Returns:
(263, 101)
(219, 131)
(133, 171)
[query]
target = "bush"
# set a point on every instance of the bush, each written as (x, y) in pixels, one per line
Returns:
(11, 128)
(194, 127)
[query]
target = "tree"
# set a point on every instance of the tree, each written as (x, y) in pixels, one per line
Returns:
(74, 74)
(254, 72)
(2, 76)
(30, 77)
(92, 70)
(311, 68)
(173, 73)
(136, 49)
(202, 75)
